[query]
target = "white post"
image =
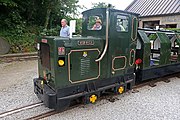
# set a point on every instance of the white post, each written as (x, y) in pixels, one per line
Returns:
(72, 27)
(157, 27)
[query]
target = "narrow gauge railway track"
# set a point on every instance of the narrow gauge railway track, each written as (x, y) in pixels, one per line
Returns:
(52, 112)
(44, 115)
(111, 97)
(18, 57)
(16, 110)
(152, 83)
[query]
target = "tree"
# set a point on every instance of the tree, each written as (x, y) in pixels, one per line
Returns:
(21, 20)
(102, 5)
(35, 12)
(59, 8)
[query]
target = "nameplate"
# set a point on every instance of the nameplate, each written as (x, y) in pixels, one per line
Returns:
(87, 42)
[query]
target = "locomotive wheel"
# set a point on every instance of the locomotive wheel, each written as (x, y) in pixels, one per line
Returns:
(92, 98)
(121, 89)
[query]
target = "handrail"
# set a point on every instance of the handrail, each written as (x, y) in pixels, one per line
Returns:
(107, 35)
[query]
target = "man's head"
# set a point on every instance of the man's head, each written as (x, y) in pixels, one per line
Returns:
(98, 21)
(63, 22)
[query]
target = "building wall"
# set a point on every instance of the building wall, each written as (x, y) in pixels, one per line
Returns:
(170, 19)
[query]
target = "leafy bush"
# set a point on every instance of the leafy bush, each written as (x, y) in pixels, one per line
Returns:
(174, 29)
(21, 21)
(19, 40)
(51, 32)
(152, 36)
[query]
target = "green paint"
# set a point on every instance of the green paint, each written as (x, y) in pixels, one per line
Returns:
(80, 66)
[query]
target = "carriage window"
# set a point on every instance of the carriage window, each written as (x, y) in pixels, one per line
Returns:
(122, 23)
(94, 23)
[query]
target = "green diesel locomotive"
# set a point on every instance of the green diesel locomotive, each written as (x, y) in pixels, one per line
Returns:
(111, 58)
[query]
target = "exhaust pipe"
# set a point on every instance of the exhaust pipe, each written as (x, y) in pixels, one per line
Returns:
(107, 34)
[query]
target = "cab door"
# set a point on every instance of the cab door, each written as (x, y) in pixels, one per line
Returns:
(120, 50)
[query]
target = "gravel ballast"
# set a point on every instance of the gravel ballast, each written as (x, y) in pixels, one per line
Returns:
(16, 88)
(150, 103)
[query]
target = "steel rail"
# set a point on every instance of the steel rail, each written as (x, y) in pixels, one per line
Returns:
(18, 57)
(52, 112)
(16, 110)
(43, 115)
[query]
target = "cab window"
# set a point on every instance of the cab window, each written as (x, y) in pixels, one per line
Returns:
(122, 23)
(94, 22)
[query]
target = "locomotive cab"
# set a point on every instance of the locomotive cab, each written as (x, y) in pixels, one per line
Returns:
(119, 33)
(90, 17)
